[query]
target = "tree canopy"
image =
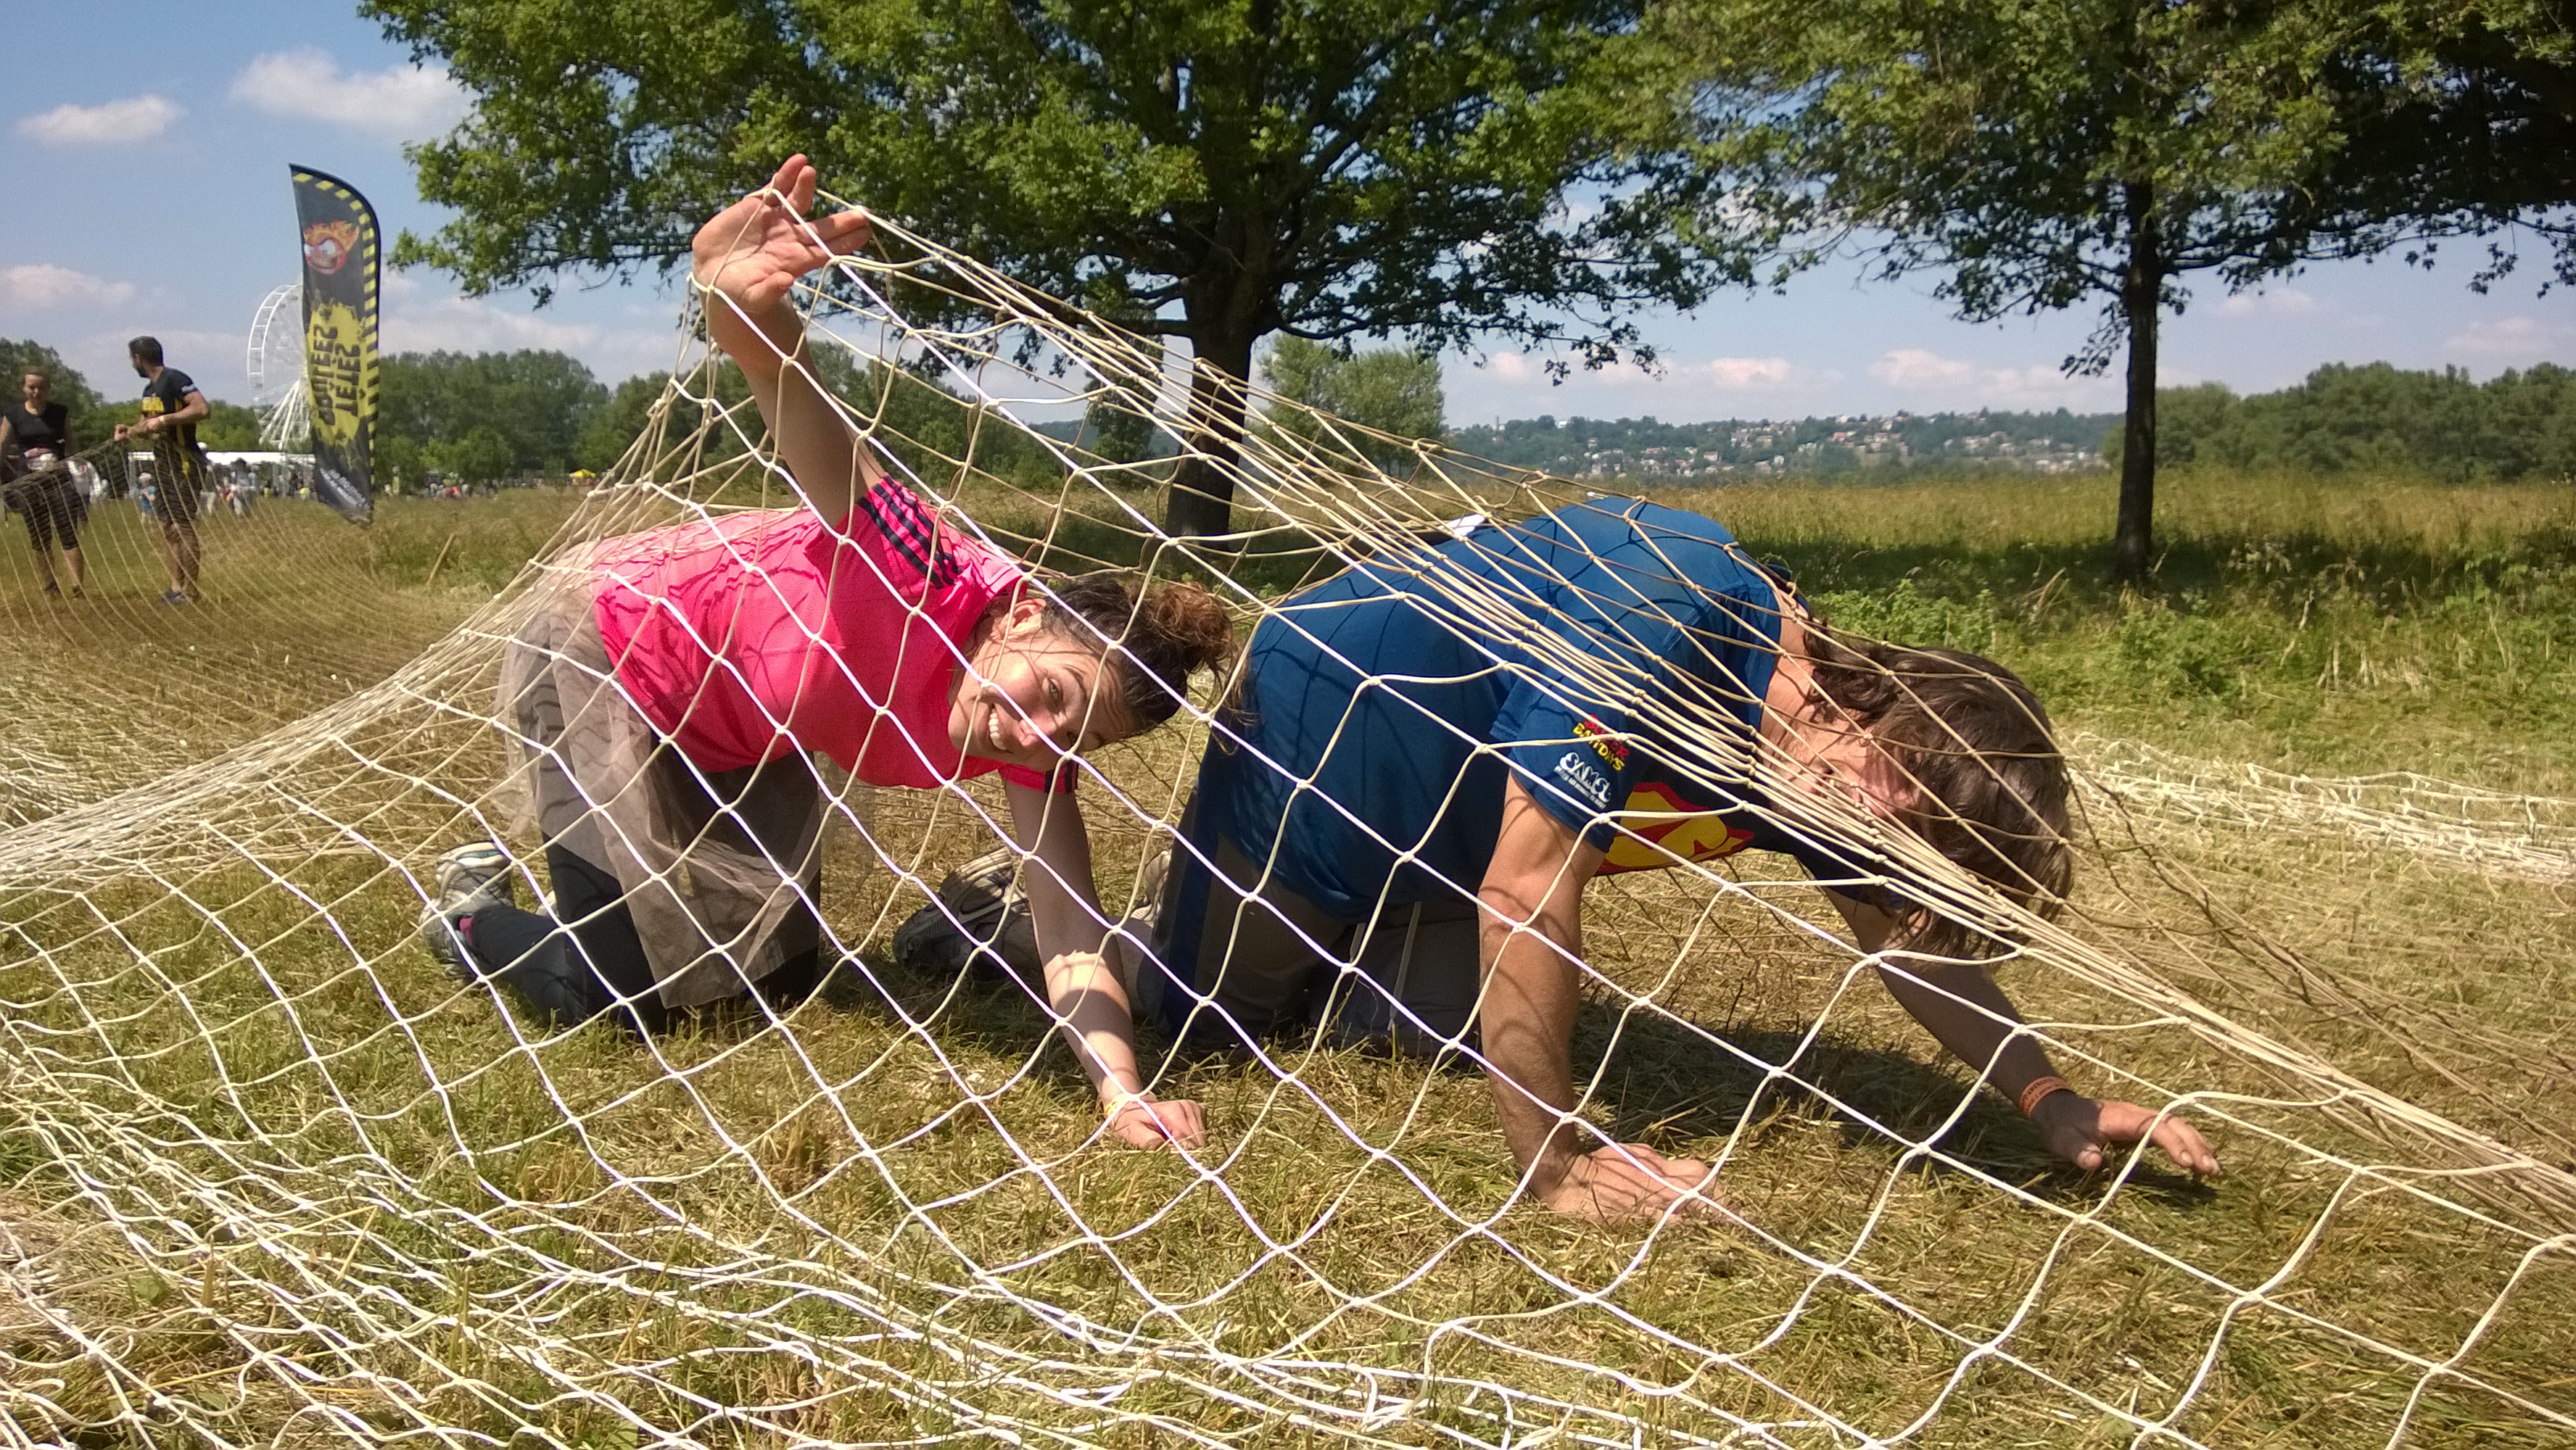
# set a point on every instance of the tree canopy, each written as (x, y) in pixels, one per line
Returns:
(619, 421)
(484, 415)
(2464, 110)
(229, 426)
(1215, 170)
(2043, 155)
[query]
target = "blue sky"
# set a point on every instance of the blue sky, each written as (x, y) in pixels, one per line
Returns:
(151, 145)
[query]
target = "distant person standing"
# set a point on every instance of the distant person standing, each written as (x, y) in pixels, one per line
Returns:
(172, 408)
(38, 430)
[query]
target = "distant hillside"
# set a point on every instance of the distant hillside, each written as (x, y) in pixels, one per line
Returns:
(2058, 442)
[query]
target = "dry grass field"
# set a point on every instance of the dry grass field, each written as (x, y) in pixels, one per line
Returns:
(267, 1176)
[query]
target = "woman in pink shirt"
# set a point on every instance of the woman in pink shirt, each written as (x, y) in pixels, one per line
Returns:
(670, 698)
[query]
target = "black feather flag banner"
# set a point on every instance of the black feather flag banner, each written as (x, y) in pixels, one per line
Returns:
(341, 270)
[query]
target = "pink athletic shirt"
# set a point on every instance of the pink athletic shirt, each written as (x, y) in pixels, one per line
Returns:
(745, 637)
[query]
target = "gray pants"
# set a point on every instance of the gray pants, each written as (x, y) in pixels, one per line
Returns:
(1253, 966)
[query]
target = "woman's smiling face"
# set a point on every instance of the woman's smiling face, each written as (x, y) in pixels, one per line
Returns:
(1027, 696)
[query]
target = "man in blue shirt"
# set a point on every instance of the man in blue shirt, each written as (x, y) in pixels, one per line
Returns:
(1435, 751)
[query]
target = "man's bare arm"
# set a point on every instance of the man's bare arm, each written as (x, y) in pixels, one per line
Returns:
(1532, 938)
(1970, 1014)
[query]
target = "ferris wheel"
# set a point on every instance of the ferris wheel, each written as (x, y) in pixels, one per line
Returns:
(276, 366)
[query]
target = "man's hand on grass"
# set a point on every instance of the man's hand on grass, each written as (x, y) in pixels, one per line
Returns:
(2083, 1131)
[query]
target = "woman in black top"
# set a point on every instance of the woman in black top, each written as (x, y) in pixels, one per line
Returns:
(39, 483)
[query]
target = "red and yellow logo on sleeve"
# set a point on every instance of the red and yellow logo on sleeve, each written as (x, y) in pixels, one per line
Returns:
(1658, 831)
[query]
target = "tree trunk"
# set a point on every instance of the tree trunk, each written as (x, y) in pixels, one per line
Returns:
(2141, 298)
(1201, 501)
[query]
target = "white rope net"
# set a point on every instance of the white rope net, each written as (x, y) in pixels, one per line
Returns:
(271, 1176)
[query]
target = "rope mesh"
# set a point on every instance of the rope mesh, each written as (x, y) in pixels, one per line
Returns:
(272, 1176)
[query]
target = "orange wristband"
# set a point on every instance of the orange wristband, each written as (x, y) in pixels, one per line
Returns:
(2039, 1091)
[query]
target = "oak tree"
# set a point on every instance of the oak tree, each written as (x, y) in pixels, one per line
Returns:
(1209, 170)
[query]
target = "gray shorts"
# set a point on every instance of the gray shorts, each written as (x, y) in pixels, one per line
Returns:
(1241, 958)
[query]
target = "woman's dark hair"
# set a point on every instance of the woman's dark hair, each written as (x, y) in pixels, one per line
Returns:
(1975, 742)
(1163, 634)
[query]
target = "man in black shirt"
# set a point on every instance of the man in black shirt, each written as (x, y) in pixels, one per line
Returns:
(172, 408)
(35, 451)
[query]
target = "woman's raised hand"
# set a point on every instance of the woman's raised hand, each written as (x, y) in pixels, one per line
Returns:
(752, 253)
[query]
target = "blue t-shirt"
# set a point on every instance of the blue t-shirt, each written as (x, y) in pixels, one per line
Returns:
(1582, 650)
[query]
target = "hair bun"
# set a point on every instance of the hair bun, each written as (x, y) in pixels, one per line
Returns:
(1163, 634)
(1191, 621)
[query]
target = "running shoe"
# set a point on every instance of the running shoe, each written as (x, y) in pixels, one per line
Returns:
(980, 924)
(473, 877)
(173, 598)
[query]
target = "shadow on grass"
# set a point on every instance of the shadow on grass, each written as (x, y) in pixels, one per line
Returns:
(1664, 1082)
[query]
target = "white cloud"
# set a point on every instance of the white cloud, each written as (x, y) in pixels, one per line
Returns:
(212, 360)
(1951, 381)
(2510, 342)
(1719, 374)
(136, 118)
(42, 284)
(464, 324)
(402, 102)
(1756, 374)
(1746, 372)
(2270, 302)
(1915, 367)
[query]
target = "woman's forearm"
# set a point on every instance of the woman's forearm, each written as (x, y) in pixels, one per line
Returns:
(1084, 986)
(1089, 1001)
(815, 441)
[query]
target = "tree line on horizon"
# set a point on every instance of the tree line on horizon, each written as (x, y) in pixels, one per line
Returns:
(2374, 418)
(476, 416)
(1818, 444)
(2342, 419)
(492, 415)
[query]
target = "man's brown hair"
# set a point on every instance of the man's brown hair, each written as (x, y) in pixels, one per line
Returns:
(1991, 784)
